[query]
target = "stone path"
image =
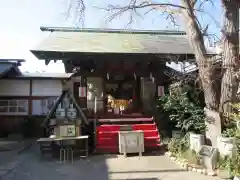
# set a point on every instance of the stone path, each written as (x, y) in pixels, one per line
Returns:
(100, 167)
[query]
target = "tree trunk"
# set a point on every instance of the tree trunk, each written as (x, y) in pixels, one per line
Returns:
(230, 60)
(205, 67)
(206, 74)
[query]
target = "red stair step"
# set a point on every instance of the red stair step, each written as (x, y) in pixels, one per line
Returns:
(107, 141)
(152, 137)
(153, 145)
(152, 140)
(107, 134)
(108, 128)
(150, 133)
(144, 127)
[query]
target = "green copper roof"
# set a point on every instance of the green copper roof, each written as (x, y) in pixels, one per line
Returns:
(114, 41)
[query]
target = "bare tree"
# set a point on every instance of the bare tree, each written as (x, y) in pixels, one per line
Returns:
(217, 100)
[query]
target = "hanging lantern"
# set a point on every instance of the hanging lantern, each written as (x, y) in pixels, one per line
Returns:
(107, 76)
(134, 76)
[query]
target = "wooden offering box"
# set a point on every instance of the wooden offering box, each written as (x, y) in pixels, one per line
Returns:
(67, 130)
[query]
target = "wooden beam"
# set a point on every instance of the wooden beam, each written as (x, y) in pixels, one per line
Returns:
(47, 61)
(68, 66)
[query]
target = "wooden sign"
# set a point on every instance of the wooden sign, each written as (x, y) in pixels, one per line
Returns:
(82, 91)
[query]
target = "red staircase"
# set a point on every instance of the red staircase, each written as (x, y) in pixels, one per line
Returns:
(107, 134)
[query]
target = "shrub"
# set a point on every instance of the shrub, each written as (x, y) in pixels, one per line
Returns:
(174, 145)
(177, 146)
(180, 148)
(191, 156)
(188, 115)
(229, 132)
(232, 129)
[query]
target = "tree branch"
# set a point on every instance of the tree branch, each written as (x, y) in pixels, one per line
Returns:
(78, 8)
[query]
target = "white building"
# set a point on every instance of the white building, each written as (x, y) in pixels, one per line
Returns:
(26, 94)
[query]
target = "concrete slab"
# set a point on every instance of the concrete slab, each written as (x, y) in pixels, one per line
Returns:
(149, 167)
(9, 158)
(102, 167)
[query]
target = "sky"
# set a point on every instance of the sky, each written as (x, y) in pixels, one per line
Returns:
(21, 21)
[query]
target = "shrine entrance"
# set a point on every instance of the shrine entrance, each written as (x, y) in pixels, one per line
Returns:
(123, 94)
(118, 95)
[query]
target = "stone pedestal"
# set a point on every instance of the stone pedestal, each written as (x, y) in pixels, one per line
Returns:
(213, 127)
(208, 157)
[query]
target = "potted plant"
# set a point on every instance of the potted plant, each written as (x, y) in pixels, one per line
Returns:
(196, 141)
(236, 163)
(227, 142)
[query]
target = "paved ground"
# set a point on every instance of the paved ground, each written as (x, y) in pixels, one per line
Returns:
(32, 167)
(9, 153)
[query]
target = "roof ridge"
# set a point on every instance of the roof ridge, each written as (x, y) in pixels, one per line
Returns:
(102, 30)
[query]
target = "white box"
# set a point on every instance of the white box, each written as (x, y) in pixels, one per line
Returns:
(131, 142)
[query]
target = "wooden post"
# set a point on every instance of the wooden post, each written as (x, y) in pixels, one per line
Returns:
(95, 122)
(95, 105)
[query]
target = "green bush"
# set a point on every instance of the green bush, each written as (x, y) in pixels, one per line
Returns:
(180, 148)
(188, 115)
(174, 146)
(229, 132)
(226, 163)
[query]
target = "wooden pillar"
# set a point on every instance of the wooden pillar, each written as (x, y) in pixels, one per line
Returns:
(104, 94)
(138, 92)
(30, 98)
(80, 92)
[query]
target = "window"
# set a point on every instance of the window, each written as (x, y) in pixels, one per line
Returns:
(42, 106)
(14, 107)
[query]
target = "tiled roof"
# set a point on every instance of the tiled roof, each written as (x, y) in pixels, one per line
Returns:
(4, 68)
